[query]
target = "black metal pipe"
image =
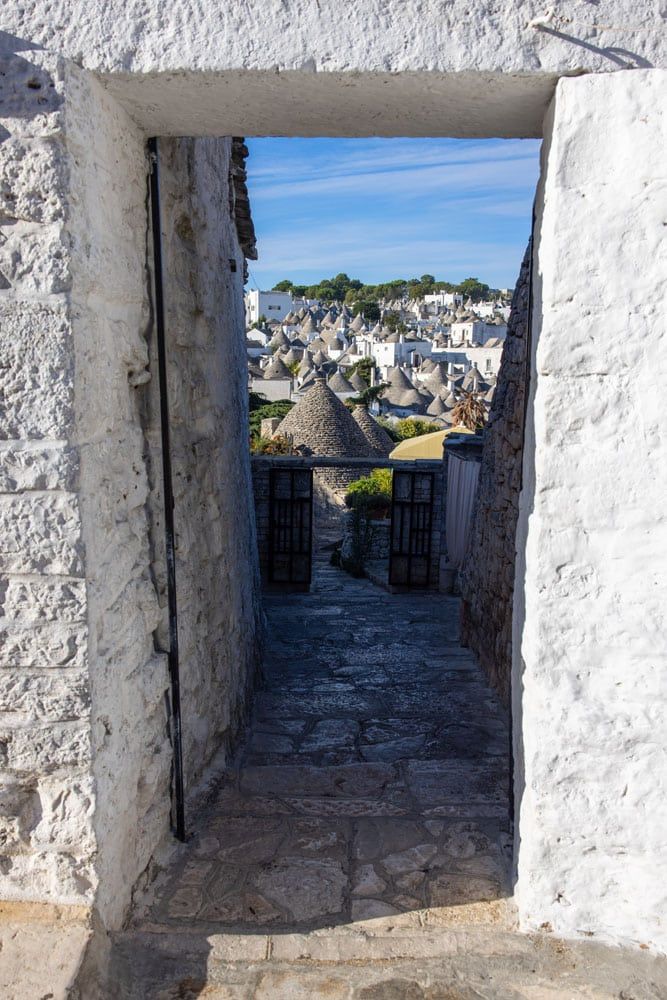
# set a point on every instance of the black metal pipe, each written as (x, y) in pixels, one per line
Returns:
(168, 493)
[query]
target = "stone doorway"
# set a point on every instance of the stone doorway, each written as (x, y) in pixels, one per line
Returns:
(586, 626)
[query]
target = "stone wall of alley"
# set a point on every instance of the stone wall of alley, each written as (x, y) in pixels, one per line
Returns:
(486, 578)
(219, 609)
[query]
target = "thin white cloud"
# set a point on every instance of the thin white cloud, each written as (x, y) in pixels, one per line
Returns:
(381, 209)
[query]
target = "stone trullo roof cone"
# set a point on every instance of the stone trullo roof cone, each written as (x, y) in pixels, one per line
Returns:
(358, 382)
(323, 425)
(338, 383)
(397, 379)
(437, 380)
(277, 368)
(320, 358)
(308, 326)
(289, 357)
(377, 437)
(436, 407)
(474, 381)
(280, 339)
(306, 363)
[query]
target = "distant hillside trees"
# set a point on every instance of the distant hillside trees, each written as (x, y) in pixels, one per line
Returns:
(354, 292)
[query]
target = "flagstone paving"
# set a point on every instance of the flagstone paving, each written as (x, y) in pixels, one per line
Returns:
(373, 784)
(358, 847)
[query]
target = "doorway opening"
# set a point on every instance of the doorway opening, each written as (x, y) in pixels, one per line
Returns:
(372, 785)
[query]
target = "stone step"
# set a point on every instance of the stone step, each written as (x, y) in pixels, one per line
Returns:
(461, 962)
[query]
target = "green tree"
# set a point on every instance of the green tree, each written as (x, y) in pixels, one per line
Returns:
(369, 308)
(394, 322)
(473, 288)
(283, 286)
(364, 367)
(260, 410)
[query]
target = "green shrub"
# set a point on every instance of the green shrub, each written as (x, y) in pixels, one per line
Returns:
(278, 445)
(265, 410)
(372, 492)
(410, 427)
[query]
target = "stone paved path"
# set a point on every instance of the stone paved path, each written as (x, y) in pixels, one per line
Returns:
(358, 847)
(374, 779)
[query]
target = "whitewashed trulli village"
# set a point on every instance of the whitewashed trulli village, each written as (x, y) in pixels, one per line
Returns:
(416, 362)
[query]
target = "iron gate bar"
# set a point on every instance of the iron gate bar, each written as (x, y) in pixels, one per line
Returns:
(290, 525)
(411, 527)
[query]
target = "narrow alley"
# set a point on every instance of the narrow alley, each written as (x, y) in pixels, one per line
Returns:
(374, 778)
(359, 845)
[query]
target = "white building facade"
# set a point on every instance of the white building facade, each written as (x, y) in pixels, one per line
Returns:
(271, 305)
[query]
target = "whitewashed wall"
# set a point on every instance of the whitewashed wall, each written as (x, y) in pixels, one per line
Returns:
(84, 752)
(591, 610)
(85, 761)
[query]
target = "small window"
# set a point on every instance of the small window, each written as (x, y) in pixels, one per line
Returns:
(488, 364)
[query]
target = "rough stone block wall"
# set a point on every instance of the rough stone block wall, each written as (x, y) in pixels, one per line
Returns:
(217, 577)
(590, 615)
(486, 579)
(85, 755)
(84, 761)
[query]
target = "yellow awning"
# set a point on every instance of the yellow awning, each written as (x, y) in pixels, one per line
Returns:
(425, 446)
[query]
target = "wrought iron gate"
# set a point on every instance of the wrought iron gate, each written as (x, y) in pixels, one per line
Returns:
(290, 526)
(411, 528)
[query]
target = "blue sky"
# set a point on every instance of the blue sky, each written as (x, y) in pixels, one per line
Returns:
(389, 208)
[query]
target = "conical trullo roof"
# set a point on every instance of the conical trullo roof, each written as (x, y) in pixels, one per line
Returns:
(323, 425)
(289, 357)
(436, 407)
(338, 383)
(358, 382)
(277, 368)
(280, 339)
(397, 379)
(473, 379)
(306, 363)
(308, 326)
(437, 380)
(377, 437)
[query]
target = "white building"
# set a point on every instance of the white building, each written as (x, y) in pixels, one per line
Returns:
(486, 358)
(475, 332)
(272, 305)
(487, 309)
(400, 350)
(442, 300)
